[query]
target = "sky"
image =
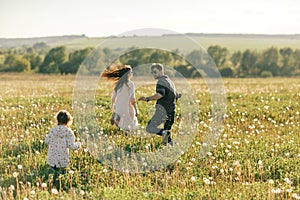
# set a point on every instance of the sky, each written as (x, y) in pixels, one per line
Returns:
(99, 18)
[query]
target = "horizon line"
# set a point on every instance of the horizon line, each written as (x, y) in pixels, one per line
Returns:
(164, 34)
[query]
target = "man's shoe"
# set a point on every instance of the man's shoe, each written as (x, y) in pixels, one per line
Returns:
(166, 135)
(170, 141)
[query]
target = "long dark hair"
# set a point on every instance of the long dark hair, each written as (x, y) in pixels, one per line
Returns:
(119, 75)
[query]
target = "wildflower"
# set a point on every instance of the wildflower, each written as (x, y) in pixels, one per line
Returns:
(105, 170)
(288, 181)
(206, 181)
(11, 187)
(82, 192)
(289, 190)
(20, 166)
(15, 174)
(71, 172)
(236, 163)
(271, 182)
(110, 148)
(276, 191)
(44, 185)
(294, 195)
(193, 179)
(54, 191)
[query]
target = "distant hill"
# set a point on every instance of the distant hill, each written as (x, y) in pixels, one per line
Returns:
(51, 40)
(233, 42)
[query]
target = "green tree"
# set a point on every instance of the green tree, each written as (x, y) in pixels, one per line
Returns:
(296, 57)
(270, 61)
(16, 63)
(75, 60)
(287, 61)
(53, 60)
(34, 59)
(236, 59)
(248, 63)
(219, 55)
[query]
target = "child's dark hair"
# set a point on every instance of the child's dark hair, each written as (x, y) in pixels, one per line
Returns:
(64, 117)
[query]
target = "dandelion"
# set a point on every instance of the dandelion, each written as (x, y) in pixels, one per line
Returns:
(271, 182)
(294, 195)
(20, 166)
(54, 191)
(214, 167)
(105, 170)
(25, 198)
(82, 192)
(276, 191)
(288, 181)
(289, 190)
(193, 179)
(71, 172)
(109, 148)
(206, 181)
(44, 185)
(15, 174)
(11, 187)
(236, 163)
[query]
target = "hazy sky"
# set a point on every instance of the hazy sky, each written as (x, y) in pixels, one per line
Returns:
(33, 18)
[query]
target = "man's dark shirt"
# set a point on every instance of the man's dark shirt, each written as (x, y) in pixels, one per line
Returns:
(167, 89)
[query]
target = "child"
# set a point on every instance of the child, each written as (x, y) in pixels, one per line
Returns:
(59, 140)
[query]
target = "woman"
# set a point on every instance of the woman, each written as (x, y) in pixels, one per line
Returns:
(123, 104)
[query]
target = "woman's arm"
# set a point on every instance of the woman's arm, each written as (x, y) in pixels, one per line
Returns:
(113, 101)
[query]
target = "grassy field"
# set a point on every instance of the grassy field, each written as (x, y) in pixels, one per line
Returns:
(257, 155)
(233, 43)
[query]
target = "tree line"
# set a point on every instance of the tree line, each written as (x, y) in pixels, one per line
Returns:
(40, 58)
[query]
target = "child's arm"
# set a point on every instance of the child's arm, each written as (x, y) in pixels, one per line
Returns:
(48, 138)
(71, 142)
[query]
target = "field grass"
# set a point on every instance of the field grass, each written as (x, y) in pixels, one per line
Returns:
(233, 43)
(257, 155)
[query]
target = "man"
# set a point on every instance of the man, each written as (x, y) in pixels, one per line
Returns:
(165, 97)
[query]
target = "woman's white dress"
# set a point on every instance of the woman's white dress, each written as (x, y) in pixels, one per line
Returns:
(126, 111)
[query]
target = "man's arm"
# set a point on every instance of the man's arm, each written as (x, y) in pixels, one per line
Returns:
(154, 97)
